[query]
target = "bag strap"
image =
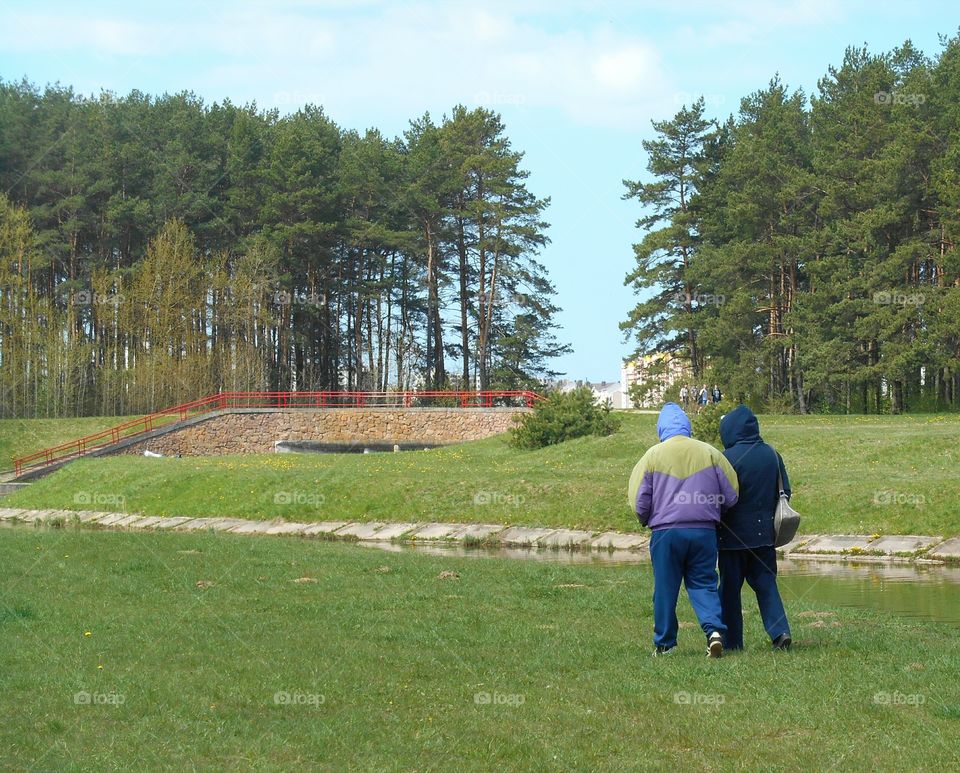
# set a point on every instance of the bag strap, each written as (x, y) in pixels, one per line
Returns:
(779, 476)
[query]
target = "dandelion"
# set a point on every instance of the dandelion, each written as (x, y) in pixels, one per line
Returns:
(88, 633)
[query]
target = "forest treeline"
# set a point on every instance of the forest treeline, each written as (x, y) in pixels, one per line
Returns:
(804, 252)
(156, 249)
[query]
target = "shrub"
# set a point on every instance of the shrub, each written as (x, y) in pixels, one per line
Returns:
(706, 424)
(562, 416)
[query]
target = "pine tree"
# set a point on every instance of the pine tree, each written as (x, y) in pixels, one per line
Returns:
(666, 322)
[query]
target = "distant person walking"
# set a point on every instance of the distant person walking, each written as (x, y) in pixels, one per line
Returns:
(715, 394)
(746, 530)
(684, 395)
(679, 488)
(703, 397)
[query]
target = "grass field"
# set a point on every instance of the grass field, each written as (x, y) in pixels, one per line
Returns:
(19, 437)
(149, 651)
(875, 474)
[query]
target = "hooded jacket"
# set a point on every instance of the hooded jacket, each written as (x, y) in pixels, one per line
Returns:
(749, 523)
(680, 482)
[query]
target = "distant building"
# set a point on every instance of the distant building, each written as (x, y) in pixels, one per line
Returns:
(612, 391)
(602, 391)
(657, 373)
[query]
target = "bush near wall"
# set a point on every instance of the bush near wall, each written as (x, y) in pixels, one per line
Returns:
(563, 416)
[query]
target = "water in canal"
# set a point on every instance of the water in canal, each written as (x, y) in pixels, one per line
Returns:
(922, 591)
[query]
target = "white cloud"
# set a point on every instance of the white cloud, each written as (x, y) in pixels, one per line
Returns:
(627, 70)
(409, 57)
(367, 59)
(55, 32)
(744, 22)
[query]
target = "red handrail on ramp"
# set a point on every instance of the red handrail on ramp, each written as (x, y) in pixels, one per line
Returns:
(276, 400)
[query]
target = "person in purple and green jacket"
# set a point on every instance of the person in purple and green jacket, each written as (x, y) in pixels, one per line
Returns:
(679, 488)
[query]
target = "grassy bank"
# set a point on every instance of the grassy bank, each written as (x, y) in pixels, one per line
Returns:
(850, 474)
(19, 437)
(266, 654)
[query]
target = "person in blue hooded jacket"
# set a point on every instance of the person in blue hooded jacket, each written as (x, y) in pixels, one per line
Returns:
(746, 533)
(678, 489)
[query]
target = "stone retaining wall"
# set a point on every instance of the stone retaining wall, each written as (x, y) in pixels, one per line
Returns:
(255, 431)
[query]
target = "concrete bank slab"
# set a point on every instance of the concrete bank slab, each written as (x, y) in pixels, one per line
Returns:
(252, 527)
(437, 531)
(478, 532)
(563, 538)
(169, 523)
(393, 531)
(196, 524)
(360, 530)
(225, 524)
(524, 535)
(287, 528)
(798, 542)
(837, 543)
(127, 521)
(31, 516)
(325, 527)
(111, 520)
(949, 549)
(528, 541)
(146, 523)
(906, 543)
(47, 516)
(93, 516)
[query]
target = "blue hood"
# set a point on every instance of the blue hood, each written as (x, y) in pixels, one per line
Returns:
(673, 421)
(739, 426)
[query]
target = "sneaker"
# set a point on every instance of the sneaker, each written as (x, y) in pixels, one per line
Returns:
(782, 642)
(715, 645)
(661, 650)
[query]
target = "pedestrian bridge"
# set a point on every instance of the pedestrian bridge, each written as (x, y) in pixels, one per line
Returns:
(254, 422)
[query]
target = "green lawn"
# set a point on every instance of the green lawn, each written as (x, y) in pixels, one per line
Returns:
(877, 474)
(203, 651)
(19, 437)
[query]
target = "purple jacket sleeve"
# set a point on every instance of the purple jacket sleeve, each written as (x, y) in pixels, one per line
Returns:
(644, 498)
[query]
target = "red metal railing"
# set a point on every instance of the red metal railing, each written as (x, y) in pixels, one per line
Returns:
(278, 400)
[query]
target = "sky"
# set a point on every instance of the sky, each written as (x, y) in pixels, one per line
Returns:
(577, 83)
